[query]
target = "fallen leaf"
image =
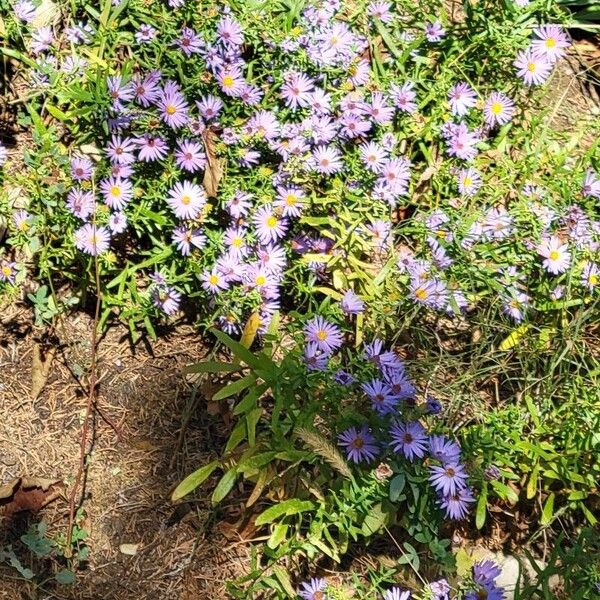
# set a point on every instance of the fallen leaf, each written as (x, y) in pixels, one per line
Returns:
(47, 13)
(27, 494)
(214, 169)
(43, 356)
(129, 549)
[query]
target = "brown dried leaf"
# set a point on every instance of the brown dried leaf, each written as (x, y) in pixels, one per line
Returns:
(8, 489)
(40, 368)
(214, 169)
(33, 497)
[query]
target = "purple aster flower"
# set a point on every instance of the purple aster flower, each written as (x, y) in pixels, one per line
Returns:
(461, 97)
(81, 168)
(434, 32)
(290, 200)
(533, 69)
(319, 102)
(119, 91)
(404, 97)
(145, 34)
(313, 589)
(92, 239)
(80, 203)
(380, 394)
(498, 109)
(343, 377)
(121, 171)
(189, 42)
(235, 240)
(443, 449)
(590, 276)
(250, 94)
(117, 222)
(296, 90)
(515, 304)
(557, 258)
(486, 572)
(239, 205)
(457, 504)
(272, 258)
(231, 81)
(379, 110)
(42, 39)
(186, 200)
(117, 192)
(120, 151)
(190, 156)
(373, 155)
(433, 406)
(449, 478)
(173, 108)
(461, 143)
(360, 445)
(439, 589)
(326, 159)
(186, 237)
(380, 10)
(326, 335)
(492, 472)
(409, 439)
(396, 593)
(550, 42)
(498, 224)
(489, 592)
(269, 226)
(22, 220)
(209, 107)
(591, 185)
(166, 299)
(24, 11)
(152, 148)
(351, 304)
(146, 89)
(230, 32)
(431, 292)
(315, 359)
(213, 281)
(8, 271)
(469, 181)
(353, 125)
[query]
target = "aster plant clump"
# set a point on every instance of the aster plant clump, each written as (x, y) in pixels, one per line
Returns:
(244, 167)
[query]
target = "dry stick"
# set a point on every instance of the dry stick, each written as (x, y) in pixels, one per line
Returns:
(88, 412)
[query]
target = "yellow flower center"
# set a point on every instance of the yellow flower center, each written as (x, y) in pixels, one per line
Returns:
(467, 182)
(23, 226)
(185, 200)
(291, 199)
(213, 279)
(321, 335)
(227, 81)
(171, 110)
(496, 108)
(550, 43)
(554, 255)
(272, 221)
(7, 271)
(115, 191)
(593, 279)
(261, 280)
(531, 67)
(237, 242)
(421, 294)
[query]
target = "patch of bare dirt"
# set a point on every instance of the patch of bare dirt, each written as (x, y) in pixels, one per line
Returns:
(142, 392)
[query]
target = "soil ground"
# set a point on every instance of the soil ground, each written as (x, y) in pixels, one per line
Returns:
(182, 551)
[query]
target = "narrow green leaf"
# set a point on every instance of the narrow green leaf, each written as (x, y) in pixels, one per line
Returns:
(278, 535)
(231, 389)
(286, 508)
(224, 486)
(548, 510)
(480, 512)
(284, 579)
(192, 481)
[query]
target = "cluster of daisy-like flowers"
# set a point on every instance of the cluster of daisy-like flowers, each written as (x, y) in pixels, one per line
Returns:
(481, 584)
(391, 395)
(558, 240)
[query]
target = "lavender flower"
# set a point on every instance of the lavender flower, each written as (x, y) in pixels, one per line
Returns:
(324, 334)
(409, 439)
(360, 445)
(92, 239)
